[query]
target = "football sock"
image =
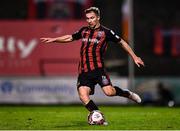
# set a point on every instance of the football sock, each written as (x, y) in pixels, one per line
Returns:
(91, 106)
(121, 92)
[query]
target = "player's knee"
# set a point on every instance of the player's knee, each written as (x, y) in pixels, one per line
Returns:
(84, 98)
(109, 93)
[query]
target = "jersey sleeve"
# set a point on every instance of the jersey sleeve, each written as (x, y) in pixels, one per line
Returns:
(78, 34)
(112, 36)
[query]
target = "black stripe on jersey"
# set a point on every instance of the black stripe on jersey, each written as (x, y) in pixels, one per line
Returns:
(102, 50)
(81, 53)
(94, 53)
(87, 48)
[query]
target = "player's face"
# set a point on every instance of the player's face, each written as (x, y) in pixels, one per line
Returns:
(92, 19)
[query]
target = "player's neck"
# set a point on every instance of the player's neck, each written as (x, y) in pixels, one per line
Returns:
(96, 26)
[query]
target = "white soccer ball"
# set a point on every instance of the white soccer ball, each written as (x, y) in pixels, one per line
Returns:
(96, 118)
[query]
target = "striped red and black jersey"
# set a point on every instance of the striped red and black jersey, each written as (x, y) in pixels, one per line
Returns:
(94, 45)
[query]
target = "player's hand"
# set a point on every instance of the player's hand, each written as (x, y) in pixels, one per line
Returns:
(47, 40)
(138, 61)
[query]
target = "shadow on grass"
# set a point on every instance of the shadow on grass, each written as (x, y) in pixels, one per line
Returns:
(80, 125)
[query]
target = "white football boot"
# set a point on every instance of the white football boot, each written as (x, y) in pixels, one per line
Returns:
(135, 97)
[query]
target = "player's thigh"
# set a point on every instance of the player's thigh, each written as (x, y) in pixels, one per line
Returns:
(103, 78)
(109, 90)
(86, 80)
(84, 90)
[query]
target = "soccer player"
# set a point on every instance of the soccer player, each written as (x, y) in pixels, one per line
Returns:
(94, 38)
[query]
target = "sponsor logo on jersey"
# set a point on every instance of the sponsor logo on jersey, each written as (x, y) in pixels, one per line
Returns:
(96, 41)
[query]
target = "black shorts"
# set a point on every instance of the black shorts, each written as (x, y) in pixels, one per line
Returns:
(90, 79)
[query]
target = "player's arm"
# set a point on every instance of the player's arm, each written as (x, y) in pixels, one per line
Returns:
(62, 39)
(65, 38)
(137, 60)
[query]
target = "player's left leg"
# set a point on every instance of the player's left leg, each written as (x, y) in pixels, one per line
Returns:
(110, 90)
(105, 82)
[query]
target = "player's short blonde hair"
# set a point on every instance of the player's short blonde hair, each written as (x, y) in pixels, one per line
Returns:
(93, 9)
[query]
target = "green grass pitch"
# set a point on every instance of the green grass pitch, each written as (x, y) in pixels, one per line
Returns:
(75, 118)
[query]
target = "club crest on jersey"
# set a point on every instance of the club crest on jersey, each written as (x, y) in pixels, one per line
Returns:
(100, 33)
(105, 80)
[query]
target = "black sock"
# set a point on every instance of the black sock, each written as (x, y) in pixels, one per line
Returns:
(91, 106)
(121, 92)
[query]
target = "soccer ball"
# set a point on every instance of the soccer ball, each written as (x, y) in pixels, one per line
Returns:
(96, 118)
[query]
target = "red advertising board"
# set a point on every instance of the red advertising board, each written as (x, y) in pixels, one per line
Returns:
(22, 53)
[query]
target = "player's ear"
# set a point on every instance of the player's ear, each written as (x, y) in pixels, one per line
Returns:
(98, 17)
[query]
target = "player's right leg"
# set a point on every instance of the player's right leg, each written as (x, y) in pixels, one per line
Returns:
(85, 86)
(84, 92)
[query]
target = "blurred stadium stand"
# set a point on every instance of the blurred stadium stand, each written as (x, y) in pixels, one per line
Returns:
(157, 24)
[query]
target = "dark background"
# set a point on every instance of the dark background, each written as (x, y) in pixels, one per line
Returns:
(148, 15)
